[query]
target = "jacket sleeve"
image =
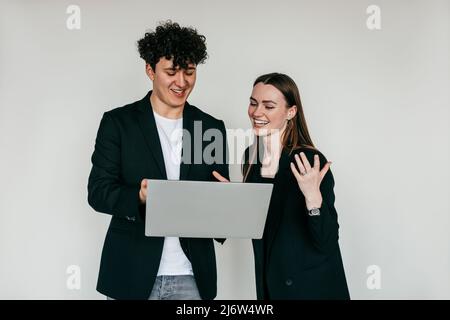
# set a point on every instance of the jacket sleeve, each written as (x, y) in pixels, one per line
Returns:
(106, 192)
(324, 228)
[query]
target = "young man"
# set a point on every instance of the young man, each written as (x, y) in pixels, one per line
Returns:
(140, 141)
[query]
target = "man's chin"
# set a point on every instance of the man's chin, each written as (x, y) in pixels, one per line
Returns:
(176, 101)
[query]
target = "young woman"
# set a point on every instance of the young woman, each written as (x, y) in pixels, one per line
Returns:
(298, 256)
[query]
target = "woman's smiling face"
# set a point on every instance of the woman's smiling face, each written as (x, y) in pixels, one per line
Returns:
(268, 111)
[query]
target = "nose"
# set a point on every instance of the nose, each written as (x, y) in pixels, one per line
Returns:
(180, 79)
(258, 112)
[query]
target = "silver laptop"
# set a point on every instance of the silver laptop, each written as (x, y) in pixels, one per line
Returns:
(197, 209)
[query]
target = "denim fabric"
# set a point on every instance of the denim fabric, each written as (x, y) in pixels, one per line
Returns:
(181, 287)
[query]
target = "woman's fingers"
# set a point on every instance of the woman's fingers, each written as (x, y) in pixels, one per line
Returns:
(295, 172)
(324, 170)
(219, 177)
(300, 165)
(305, 161)
(316, 162)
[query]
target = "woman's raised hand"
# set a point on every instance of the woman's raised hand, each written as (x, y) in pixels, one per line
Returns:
(309, 179)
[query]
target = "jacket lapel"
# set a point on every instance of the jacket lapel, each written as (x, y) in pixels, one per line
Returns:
(187, 158)
(148, 127)
(276, 208)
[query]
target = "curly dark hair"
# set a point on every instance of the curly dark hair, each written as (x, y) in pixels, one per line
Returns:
(169, 40)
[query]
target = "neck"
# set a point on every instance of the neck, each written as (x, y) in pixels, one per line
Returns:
(273, 143)
(164, 110)
(272, 153)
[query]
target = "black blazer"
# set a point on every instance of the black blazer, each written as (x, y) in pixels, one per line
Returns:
(127, 150)
(299, 256)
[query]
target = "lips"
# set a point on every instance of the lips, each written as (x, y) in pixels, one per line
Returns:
(260, 123)
(178, 92)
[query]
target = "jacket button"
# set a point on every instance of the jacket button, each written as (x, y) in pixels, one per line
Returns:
(289, 282)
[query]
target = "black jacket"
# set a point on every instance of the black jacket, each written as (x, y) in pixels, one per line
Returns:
(127, 150)
(299, 256)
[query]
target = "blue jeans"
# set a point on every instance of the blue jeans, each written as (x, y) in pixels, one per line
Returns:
(181, 287)
(175, 288)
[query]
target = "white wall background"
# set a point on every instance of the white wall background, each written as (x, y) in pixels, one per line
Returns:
(377, 103)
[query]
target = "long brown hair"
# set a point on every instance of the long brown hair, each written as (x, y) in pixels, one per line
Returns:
(296, 134)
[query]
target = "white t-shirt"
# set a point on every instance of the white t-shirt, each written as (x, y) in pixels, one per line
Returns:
(170, 131)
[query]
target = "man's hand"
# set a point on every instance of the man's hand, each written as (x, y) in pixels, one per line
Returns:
(143, 191)
(219, 177)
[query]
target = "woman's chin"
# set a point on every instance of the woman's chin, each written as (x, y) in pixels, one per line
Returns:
(260, 132)
(264, 132)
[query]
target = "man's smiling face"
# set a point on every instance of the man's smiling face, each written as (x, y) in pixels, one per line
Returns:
(172, 86)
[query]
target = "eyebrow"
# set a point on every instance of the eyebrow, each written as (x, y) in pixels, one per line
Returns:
(264, 101)
(178, 68)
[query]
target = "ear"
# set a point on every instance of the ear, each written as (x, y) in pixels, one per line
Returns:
(150, 72)
(292, 112)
